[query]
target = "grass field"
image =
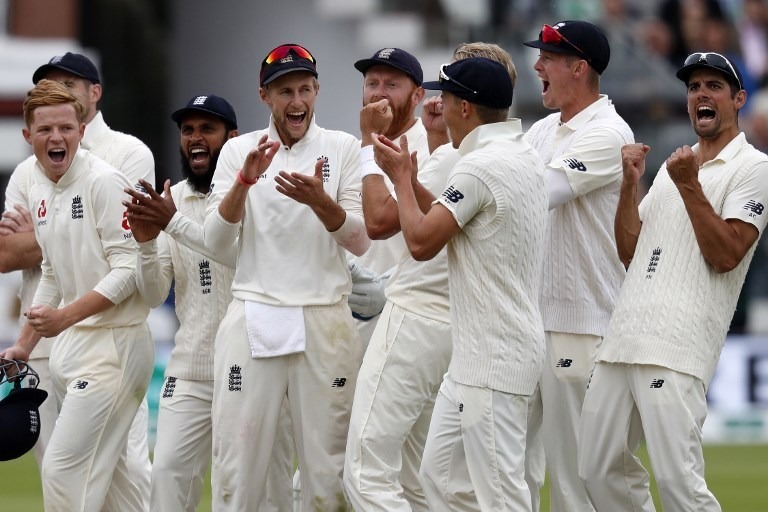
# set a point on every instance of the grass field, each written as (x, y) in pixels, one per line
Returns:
(736, 474)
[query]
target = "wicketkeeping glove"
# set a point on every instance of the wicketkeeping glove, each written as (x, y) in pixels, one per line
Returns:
(367, 298)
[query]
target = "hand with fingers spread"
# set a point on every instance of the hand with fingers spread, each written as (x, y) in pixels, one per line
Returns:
(375, 117)
(258, 159)
(18, 221)
(396, 162)
(151, 206)
(303, 188)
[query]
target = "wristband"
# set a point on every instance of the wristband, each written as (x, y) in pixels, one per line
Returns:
(368, 165)
(244, 181)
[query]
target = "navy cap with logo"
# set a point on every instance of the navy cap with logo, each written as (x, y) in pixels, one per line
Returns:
(477, 80)
(78, 65)
(210, 104)
(710, 60)
(285, 59)
(19, 411)
(396, 58)
(578, 38)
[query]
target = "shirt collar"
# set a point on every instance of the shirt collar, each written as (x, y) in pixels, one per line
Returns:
(188, 192)
(587, 114)
(486, 133)
(93, 130)
(729, 151)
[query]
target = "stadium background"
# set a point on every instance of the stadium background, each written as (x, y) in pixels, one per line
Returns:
(155, 54)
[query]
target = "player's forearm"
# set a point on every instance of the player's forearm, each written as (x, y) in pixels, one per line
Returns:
(627, 223)
(411, 220)
(379, 209)
(232, 207)
(436, 138)
(92, 303)
(720, 244)
(19, 251)
(424, 197)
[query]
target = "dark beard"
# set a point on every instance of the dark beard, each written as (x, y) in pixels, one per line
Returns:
(199, 182)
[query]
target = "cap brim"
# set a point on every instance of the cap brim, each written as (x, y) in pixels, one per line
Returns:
(282, 72)
(179, 114)
(563, 48)
(364, 65)
(35, 395)
(46, 68)
(433, 86)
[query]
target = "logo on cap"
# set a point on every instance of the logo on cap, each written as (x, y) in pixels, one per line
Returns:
(200, 100)
(56, 59)
(385, 53)
(285, 60)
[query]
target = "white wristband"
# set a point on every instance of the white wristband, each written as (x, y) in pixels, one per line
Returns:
(368, 165)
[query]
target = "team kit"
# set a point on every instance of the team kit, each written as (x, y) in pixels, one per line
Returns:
(477, 306)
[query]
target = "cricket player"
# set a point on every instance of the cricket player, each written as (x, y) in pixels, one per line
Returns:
(291, 192)
(580, 145)
(687, 247)
(130, 156)
(391, 92)
(396, 390)
(491, 216)
(103, 357)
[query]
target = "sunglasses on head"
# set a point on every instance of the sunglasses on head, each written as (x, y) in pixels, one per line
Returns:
(713, 59)
(282, 51)
(550, 35)
(445, 78)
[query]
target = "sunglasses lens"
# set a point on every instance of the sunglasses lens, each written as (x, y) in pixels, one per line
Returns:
(550, 36)
(281, 51)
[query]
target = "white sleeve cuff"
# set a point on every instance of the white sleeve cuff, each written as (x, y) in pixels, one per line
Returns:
(560, 191)
(352, 235)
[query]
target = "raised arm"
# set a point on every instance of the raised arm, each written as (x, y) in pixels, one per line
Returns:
(627, 223)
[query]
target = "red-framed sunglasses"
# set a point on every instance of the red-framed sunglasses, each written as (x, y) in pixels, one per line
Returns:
(550, 35)
(282, 51)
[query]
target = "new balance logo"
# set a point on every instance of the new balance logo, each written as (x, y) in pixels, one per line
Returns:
(77, 207)
(339, 382)
(754, 207)
(235, 378)
(170, 387)
(81, 384)
(657, 383)
(453, 195)
(200, 100)
(461, 407)
(575, 164)
(564, 363)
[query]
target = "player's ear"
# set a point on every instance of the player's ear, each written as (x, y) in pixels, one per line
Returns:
(232, 134)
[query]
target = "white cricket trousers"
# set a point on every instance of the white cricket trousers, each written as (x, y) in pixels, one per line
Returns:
(100, 376)
(625, 402)
(183, 450)
(394, 397)
(249, 393)
(137, 451)
(562, 386)
(474, 457)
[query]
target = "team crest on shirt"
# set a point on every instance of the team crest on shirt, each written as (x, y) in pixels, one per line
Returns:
(235, 378)
(41, 212)
(205, 276)
(655, 257)
(77, 207)
(326, 168)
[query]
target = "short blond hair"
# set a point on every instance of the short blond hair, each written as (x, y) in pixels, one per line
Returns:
(47, 93)
(489, 51)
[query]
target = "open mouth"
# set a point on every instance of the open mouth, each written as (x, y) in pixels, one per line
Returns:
(545, 85)
(198, 155)
(705, 113)
(57, 155)
(296, 118)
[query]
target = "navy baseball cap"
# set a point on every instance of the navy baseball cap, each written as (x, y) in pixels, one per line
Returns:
(710, 60)
(210, 104)
(78, 65)
(395, 58)
(578, 38)
(285, 59)
(477, 80)
(20, 421)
